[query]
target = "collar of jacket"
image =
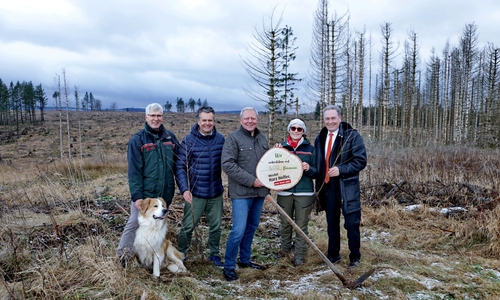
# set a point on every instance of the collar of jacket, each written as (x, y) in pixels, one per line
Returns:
(162, 133)
(195, 130)
(255, 132)
(305, 141)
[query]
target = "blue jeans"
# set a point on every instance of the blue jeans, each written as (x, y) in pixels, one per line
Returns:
(246, 218)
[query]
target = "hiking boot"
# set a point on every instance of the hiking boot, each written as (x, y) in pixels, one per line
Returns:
(216, 260)
(335, 260)
(230, 274)
(298, 262)
(354, 263)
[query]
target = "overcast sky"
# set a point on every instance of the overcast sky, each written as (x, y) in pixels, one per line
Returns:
(137, 52)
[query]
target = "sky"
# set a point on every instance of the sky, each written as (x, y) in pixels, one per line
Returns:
(133, 53)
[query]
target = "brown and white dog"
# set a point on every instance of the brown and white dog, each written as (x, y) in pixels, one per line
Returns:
(150, 244)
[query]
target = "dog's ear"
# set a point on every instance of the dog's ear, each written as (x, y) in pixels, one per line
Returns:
(145, 204)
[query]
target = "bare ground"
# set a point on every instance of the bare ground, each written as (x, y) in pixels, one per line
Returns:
(430, 223)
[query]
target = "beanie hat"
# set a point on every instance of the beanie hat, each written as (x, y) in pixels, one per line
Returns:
(297, 122)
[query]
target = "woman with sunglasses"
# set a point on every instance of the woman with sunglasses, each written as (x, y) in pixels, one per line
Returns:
(297, 202)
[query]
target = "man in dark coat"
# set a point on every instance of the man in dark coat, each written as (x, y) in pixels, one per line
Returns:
(341, 155)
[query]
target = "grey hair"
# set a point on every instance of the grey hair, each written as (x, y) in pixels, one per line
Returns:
(248, 108)
(154, 107)
(334, 107)
(205, 109)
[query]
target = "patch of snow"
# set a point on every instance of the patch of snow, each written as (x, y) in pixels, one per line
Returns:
(307, 283)
(413, 207)
(373, 236)
(430, 283)
(425, 296)
(385, 273)
(441, 266)
(380, 295)
(452, 210)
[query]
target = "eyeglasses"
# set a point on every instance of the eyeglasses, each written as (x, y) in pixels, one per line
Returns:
(298, 129)
(155, 116)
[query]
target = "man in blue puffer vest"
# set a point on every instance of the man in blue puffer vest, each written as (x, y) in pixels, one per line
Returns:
(199, 179)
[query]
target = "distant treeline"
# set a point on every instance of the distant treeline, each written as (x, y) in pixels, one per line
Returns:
(183, 106)
(19, 102)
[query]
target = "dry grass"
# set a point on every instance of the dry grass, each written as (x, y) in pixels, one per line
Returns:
(62, 222)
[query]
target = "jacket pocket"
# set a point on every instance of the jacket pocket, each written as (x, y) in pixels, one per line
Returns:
(351, 194)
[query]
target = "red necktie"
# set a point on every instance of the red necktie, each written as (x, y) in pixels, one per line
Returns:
(327, 160)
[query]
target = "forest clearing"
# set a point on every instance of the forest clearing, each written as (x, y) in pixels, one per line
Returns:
(430, 224)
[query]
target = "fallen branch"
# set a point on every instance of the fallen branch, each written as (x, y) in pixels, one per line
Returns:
(443, 229)
(395, 188)
(123, 209)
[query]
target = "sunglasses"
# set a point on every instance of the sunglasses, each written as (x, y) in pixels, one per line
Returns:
(298, 129)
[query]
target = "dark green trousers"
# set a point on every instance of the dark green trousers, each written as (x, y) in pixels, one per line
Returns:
(299, 209)
(212, 208)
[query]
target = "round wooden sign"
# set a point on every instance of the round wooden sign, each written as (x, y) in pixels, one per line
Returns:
(278, 169)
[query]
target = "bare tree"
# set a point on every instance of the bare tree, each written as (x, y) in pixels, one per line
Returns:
(361, 56)
(264, 66)
(316, 78)
(57, 94)
(387, 56)
(432, 94)
(66, 98)
(468, 43)
(488, 122)
(329, 75)
(413, 60)
(445, 93)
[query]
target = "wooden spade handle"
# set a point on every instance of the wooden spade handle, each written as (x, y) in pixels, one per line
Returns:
(308, 240)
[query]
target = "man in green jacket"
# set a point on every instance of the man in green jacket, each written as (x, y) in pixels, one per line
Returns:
(151, 159)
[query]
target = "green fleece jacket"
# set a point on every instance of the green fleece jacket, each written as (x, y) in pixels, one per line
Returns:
(151, 164)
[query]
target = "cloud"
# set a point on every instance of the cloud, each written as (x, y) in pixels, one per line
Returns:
(135, 52)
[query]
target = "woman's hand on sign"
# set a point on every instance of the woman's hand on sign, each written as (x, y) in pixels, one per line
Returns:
(278, 145)
(305, 166)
